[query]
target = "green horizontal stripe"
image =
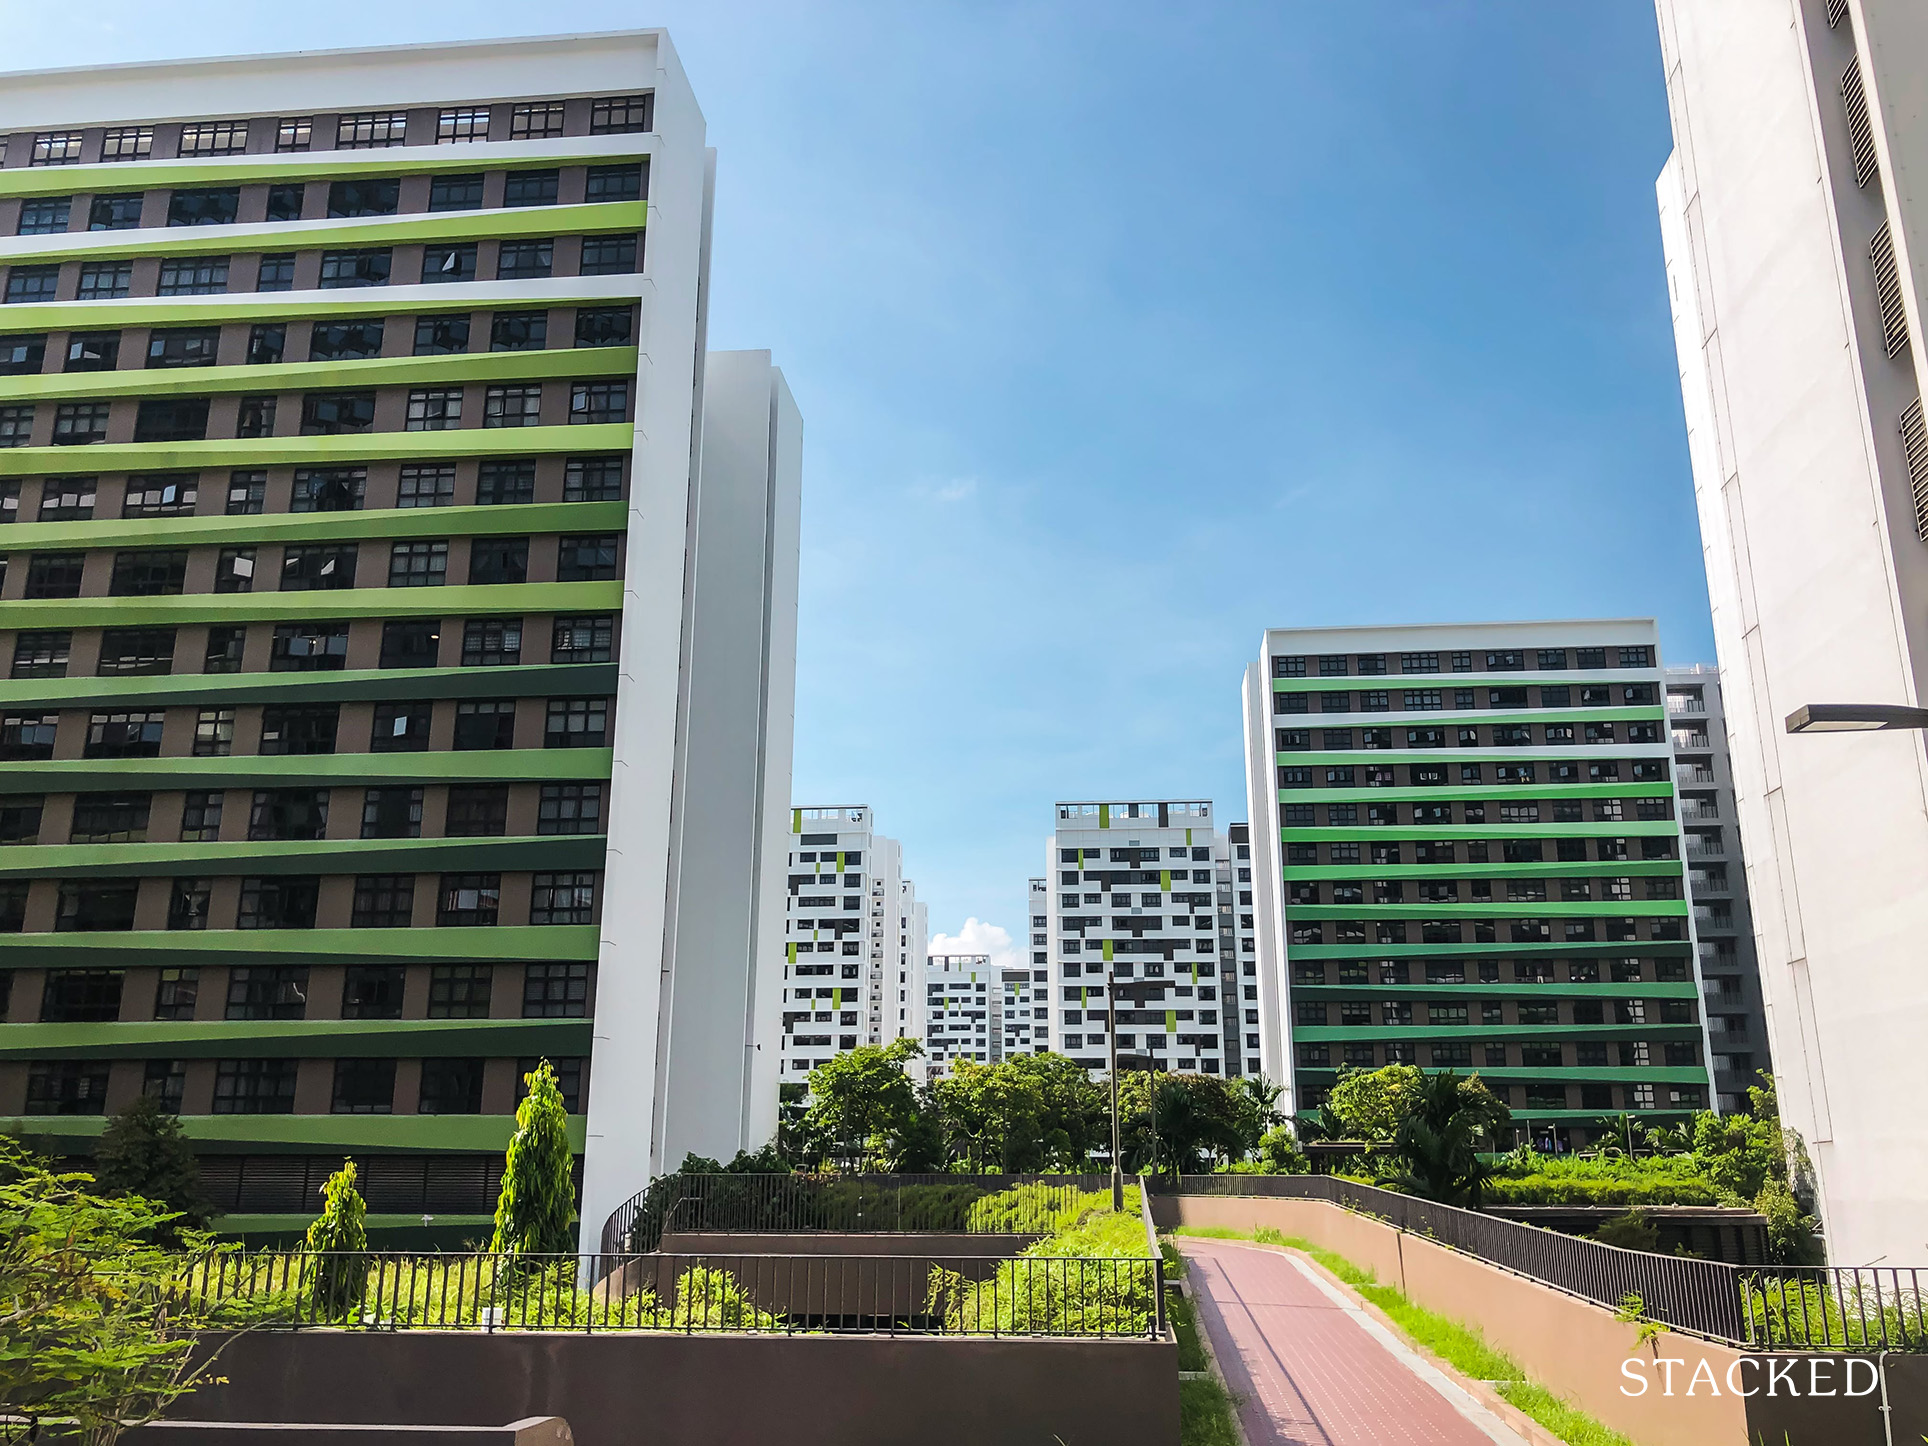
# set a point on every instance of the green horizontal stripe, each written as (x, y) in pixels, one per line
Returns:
(1466, 718)
(1493, 909)
(207, 530)
(1628, 868)
(399, 300)
(319, 856)
(498, 765)
(351, 1134)
(1574, 1074)
(315, 451)
(317, 165)
(461, 600)
(1491, 832)
(1353, 1034)
(1413, 682)
(532, 680)
(1493, 793)
(299, 1039)
(159, 947)
(503, 223)
(1618, 947)
(1685, 989)
(395, 371)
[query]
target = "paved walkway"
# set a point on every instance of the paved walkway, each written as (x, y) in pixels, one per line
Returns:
(1312, 1369)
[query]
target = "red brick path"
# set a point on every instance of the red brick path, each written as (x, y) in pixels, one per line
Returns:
(1308, 1371)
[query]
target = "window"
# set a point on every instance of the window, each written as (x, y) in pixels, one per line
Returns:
(214, 138)
(81, 996)
(175, 998)
(68, 499)
(455, 193)
(1636, 657)
(491, 642)
(598, 402)
(587, 559)
(54, 574)
(247, 493)
(279, 903)
(308, 648)
(437, 409)
(620, 114)
(277, 273)
(345, 340)
(114, 213)
(519, 331)
(604, 326)
(201, 818)
(41, 654)
(459, 991)
(44, 215)
(461, 125)
(469, 900)
(477, 810)
(151, 572)
(174, 419)
(61, 148)
(392, 813)
(22, 356)
(520, 260)
(214, 733)
(485, 724)
(401, 727)
(318, 567)
(505, 484)
(608, 255)
(370, 129)
(454, 261)
(562, 898)
(95, 905)
(77, 424)
(67, 1087)
(39, 283)
(498, 560)
(583, 640)
(513, 406)
(451, 1087)
(213, 207)
(576, 723)
(255, 1086)
(411, 643)
(570, 808)
(366, 267)
(432, 485)
(128, 143)
(615, 183)
(535, 122)
(136, 652)
(192, 276)
(384, 901)
(294, 133)
(327, 413)
(364, 1087)
(161, 495)
(367, 196)
(418, 564)
(530, 188)
(299, 728)
(555, 991)
(124, 735)
(16, 426)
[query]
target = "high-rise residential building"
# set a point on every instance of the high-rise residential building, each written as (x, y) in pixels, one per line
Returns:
(1239, 981)
(963, 1011)
(1022, 1022)
(1466, 855)
(1717, 885)
(1796, 242)
(853, 934)
(375, 724)
(1135, 902)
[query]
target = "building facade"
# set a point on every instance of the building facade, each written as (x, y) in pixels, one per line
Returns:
(1796, 242)
(963, 1012)
(852, 929)
(1717, 885)
(1134, 900)
(1239, 982)
(363, 680)
(1468, 856)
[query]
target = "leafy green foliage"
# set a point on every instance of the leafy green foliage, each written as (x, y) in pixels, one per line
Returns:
(1445, 1121)
(144, 1152)
(863, 1108)
(1086, 1277)
(336, 1238)
(1205, 1414)
(1368, 1104)
(1632, 1231)
(1203, 1121)
(537, 1207)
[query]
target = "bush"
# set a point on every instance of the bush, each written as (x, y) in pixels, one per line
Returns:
(1632, 1231)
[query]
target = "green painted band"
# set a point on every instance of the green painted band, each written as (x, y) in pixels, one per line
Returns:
(316, 451)
(1628, 868)
(461, 298)
(300, 1038)
(1315, 1033)
(150, 948)
(507, 765)
(320, 165)
(387, 371)
(1568, 1073)
(1485, 793)
(216, 530)
(235, 1134)
(1441, 682)
(1514, 909)
(322, 856)
(1619, 948)
(343, 604)
(534, 680)
(1389, 833)
(1643, 990)
(506, 223)
(1628, 713)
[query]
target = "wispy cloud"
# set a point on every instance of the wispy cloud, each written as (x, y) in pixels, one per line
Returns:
(957, 489)
(979, 937)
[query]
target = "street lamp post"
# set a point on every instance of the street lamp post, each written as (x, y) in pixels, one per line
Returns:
(1854, 718)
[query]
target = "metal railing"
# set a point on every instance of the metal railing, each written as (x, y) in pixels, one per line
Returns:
(1151, 1244)
(1844, 1308)
(703, 1293)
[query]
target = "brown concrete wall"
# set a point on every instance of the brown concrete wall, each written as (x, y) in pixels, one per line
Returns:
(814, 1287)
(618, 1389)
(1577, 1348)
(923, 1245)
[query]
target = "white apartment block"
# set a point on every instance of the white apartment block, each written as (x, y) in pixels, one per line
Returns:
(1796, 237)
(1239, 979)
(1730, 970)
(1133, 900)
(853, 935)
(1023, 1027)
(963, 1012)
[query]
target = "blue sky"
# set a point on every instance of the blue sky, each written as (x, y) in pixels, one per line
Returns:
(1122, 332)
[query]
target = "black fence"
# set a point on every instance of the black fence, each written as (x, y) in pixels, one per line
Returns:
(708, 1293)
(1843, 1308)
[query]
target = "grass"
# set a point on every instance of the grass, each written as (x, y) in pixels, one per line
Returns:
(1205, 1415)
(1462, 1347)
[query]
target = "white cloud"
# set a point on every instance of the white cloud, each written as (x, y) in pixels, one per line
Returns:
(958, 489)
(978, 937)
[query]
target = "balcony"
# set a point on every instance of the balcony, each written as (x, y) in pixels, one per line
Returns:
(1700, 883)
(1722, 919)
(1677, 704)
(1691, 740)
(1699, 811)
(1706, 851)
(1697, 775)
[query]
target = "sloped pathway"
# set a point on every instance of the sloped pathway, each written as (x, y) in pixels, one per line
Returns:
(1312, 1369)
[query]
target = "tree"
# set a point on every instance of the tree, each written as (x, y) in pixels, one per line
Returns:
(537, 1208)
(992, 1116)
(1201, 1119)
(143, 1152)
(1074, 1117)
(1280, 1154)
(91, 1327)
(336, 1238)
(863, 1106)
(1370, 1103)
(1444, 1122)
